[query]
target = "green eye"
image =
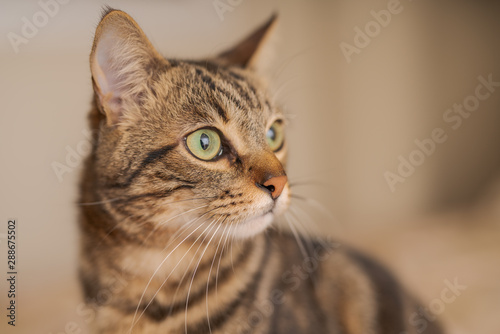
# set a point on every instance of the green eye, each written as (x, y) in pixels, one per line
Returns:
(275, 136)
(205, 144)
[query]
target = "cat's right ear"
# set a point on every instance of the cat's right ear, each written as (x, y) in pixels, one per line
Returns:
(121, 63)
(255, 51)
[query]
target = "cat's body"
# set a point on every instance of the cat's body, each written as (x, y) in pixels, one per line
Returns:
(185, 176)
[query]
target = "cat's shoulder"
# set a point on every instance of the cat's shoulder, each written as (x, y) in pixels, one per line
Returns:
(353, 286)
(331, 253)
(338, 267)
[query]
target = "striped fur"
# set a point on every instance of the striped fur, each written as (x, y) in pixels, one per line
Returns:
(173, 244)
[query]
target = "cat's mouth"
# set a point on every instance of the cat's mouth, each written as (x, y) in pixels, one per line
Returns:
(257, 224)
(262, 211)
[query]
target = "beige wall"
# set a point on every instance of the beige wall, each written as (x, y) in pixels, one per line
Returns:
(349, 121)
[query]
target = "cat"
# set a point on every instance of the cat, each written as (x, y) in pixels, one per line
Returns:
(179, 195)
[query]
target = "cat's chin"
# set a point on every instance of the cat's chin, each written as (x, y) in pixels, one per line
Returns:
(253, 226)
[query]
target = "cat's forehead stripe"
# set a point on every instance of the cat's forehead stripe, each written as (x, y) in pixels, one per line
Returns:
(216, 87)
(228, 75)
(228, 94)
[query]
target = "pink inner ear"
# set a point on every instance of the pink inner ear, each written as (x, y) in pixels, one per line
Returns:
(117, 63)
(106, 76)
(103, 71)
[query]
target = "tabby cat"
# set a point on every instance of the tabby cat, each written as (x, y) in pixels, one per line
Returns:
(184, 180)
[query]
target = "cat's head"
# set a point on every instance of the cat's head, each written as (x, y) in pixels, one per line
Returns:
(193, 145)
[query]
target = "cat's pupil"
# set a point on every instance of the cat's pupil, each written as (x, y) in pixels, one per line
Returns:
(204, 141)
(271, 134)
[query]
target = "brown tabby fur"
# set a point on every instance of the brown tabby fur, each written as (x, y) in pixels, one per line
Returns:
(167, 245)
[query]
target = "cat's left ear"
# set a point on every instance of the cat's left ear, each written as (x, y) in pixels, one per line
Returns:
(253, 52)
(122, 62)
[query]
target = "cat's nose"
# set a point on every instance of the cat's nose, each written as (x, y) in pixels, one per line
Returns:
(275, 185)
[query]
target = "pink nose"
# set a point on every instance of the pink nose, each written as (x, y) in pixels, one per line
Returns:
(275, 185)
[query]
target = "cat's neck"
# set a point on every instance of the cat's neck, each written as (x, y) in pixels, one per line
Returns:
(182, 257)
(187, 269)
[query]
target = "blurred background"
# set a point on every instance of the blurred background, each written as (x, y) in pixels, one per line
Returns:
(394, 135)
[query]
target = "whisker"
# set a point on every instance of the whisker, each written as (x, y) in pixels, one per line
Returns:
(182, 213)
(196, 269)
(99, 202)
(231, 250)
(315, 204)
(117, 225)
(295, 223)
(289, 60)
(283, 85)
(156, 271)
(311, 236)
(210, 272)
(307, 183)
(299, 219)
(159, 225)
(184, 275)
(317, 173)
(224, 248)
(298, 239)
(126, 197)
(294, 214)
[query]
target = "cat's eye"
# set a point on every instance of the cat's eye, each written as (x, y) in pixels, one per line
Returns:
(275, 136)
(205, 144)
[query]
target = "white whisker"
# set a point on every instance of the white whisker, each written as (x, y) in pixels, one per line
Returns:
(183, 213)
(210, 272)
(224, 248)
(196, 269)
(297, 238)
(156, 271)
